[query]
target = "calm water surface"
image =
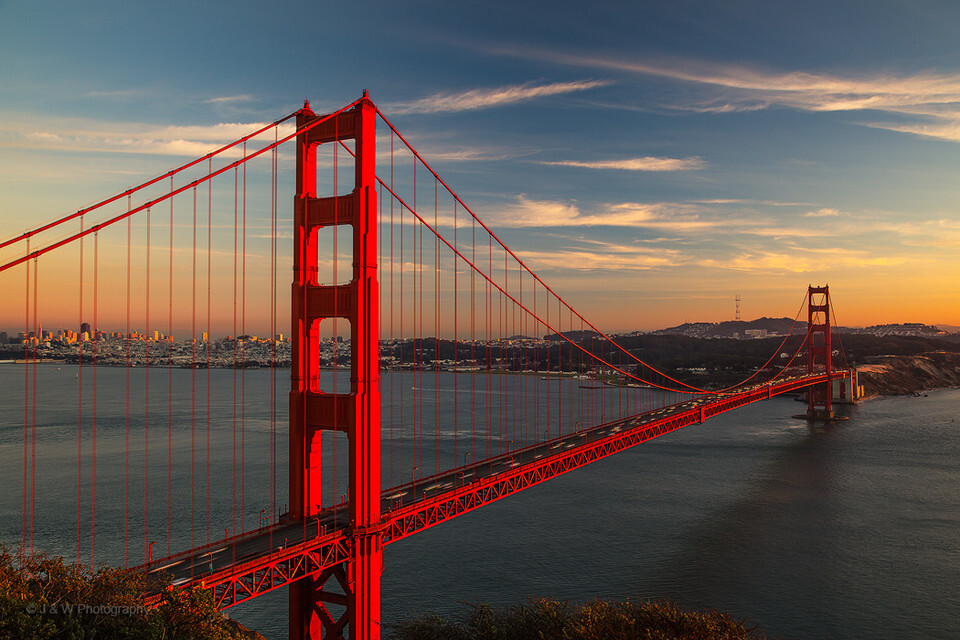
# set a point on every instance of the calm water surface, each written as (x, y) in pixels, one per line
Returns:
(844, 531)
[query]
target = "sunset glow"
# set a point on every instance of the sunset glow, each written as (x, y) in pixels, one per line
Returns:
(648, 162)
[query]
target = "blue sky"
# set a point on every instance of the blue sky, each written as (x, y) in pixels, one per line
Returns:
(649, 159)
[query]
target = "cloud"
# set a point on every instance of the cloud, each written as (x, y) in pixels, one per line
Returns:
(668, 216)
(780, 232)
(934, 233)
(435, 152)
(588, 260)
(931, 101)
(121, 94)
(799, 261)
(230, 99)
(822, 213)
(647, 163)
(598, 254)
(139, 138)
(492, 97)
(949, 129)
(749, 201)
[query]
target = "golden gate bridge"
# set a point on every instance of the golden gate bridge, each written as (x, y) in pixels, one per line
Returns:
(395, 282)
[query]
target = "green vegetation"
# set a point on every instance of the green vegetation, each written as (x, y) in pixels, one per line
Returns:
(542, 619)
(43, 597)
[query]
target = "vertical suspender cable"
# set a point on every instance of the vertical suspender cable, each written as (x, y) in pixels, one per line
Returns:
(336, 280)
(206, 483)
(273, 327)
(243, 350)
(193, 376)
(170, 380)
(420, 337)
(400, 319)
(473, 341)
(233, 490)
(549, 387)
(79, 386)
(33, 406)
(506, 359)
(26, 401)
(456, 337)
(146, 403)
(126, 426)
(381, 291)
(436, 329)
(93, 402)
(392, 337)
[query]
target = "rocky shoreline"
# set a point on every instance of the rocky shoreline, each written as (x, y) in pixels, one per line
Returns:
(909, 375)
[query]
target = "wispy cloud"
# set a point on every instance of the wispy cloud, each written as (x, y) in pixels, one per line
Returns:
(121, 94)
(490, 97)
(822, 213)
(946, 129)
(139, 138)
(647, 163)
(586, 254)
(750, 201)
(799, 261)
(934, 233)
(668, 216)
(588, 260)
(442, 151)
(230, 99)
(931, 100)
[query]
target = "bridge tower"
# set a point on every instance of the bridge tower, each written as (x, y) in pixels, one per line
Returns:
(312, 410)
(819, 402)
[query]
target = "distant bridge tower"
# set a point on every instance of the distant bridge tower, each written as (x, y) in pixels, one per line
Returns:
(356, 413)
(819, 403)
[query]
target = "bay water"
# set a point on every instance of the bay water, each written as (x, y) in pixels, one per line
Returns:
(819, 531)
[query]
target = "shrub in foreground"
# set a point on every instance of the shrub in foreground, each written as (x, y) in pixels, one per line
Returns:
(43, 597)
(542, 619)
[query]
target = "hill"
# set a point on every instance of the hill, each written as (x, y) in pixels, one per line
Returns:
(729, 329)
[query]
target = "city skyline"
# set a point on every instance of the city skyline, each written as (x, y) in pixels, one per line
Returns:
(648, 162)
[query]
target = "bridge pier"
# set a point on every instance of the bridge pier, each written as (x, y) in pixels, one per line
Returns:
(357, 413)
(847, 390)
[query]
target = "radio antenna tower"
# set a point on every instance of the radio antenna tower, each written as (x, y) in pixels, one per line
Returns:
(737, 298)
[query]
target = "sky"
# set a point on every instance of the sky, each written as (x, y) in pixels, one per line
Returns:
(650, 160)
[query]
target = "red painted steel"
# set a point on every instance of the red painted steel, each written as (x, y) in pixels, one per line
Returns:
(819, 396)
(319, 555)
(32, 255)
(334, 575)
(357, 413)
(287, 566)
(405, 521)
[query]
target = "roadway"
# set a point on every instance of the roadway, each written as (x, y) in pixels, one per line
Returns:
(215, 560)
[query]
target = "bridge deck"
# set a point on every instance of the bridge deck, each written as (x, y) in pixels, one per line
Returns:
(259, 561)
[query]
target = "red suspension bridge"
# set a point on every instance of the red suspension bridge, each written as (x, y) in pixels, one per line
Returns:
(431, 371)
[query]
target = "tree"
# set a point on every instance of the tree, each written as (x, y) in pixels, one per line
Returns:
(43, 597)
